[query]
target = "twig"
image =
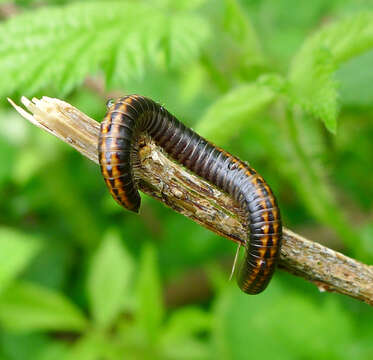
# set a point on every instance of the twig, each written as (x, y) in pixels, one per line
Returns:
(170, 183)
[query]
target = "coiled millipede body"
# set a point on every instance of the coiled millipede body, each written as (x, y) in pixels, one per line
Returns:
(132, 115)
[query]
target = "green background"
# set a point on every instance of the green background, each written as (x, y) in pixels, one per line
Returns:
(286, 85)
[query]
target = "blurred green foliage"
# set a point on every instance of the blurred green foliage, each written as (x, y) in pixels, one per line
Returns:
(82, 279)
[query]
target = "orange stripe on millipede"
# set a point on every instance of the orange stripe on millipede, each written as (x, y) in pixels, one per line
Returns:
(246, 186)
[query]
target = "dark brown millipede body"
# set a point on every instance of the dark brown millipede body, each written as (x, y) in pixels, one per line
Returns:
(134, 114)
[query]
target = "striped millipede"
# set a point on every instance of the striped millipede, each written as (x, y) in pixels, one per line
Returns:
(132, 115)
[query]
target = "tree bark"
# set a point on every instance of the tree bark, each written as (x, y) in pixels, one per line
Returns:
(167, 181)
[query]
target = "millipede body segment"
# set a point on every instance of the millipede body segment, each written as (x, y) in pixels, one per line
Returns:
(132, 115)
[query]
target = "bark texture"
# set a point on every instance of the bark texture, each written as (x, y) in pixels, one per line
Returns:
(186, 193)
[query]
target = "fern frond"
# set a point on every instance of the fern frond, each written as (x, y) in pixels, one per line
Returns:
(312, 71)
(60, 46)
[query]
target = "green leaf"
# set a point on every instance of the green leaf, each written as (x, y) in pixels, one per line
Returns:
(243, 326)
(108, 279)
(53, 351)
(27, 164)
(353, 76)
(299, 152)
(187, 349)
(7, 156)
(186, 322)
(319, 89)
(180, 45)
(90, 347)
(16, 251)
(312, 71)
(22, 346)
(366, 232)
(237, 24)
(179, 5)
(149, 292)
(29, 307)
(60, 46)
(230, 114)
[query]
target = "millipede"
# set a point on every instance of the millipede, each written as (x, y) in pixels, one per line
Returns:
(132, 115)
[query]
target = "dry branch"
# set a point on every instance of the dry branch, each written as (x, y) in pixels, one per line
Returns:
(195, 198)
